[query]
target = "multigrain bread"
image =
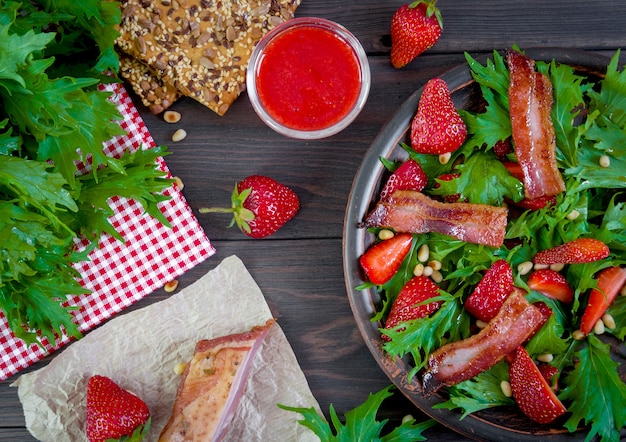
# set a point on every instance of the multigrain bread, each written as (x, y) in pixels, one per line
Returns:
(202, 47)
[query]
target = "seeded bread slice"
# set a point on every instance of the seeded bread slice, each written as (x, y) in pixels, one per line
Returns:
(153, 92)
(202, 47)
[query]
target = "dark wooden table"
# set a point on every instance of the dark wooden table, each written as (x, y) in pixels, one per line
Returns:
(299, 269)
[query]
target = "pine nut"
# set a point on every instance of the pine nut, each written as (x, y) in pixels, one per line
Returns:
(171, 116)
(598, 328)
(622, 292)
(604, 161)
(423, 253)
(428, 271)
(609, 321)
(436, 276)
(179, 135)
(573, 215)
(407, 418)
(541, 266)
(435, 264)
(578, 335)
(418, 270)
(180, 368)
(505, 386)
(385, 234)
(179, 183)
(444, 158)
(525, 267)
(171, 286)
(481, 324)
(557, 267)
(547, 357)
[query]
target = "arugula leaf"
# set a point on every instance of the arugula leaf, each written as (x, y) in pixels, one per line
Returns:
(596, 392)
(360, 423)
(618, 311)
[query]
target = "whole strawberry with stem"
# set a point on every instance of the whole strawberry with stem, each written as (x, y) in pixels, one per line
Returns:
(114, 413)
(260, 206)
(415, 28)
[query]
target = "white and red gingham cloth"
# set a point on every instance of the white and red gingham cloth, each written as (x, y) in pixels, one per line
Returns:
(119, 274)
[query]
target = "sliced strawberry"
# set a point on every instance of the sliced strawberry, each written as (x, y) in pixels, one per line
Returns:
(531, 390)
(113, 412)
(573, 252)
(552, 284)
(544, 309)
(490, 293)
(409, 176)
(609, 283)
(418, 289)
(549, 373)
(527, 203)
(382, 260)
(437, 127)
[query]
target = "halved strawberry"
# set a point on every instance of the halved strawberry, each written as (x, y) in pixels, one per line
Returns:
(418, 289)
(552, 284)
(113, 412)
(382, 260)
(549, 373)
(531, 391)
(573, 252)
(490, 293)
(609, 283)
(409, 176)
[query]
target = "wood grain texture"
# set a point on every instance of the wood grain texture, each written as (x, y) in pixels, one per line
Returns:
(299, 269)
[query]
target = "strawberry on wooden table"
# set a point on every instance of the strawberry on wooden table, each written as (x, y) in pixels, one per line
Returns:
(531, 391)
(417, 290)
(437, 127)
(609, 283)
(382, 260)
(491, 292)
(577, 251)
(552, 284)
(415, 28)
(113, 413)
(408, 176)
(260, 206)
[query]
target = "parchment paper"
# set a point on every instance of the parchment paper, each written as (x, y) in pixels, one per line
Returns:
(139, 350)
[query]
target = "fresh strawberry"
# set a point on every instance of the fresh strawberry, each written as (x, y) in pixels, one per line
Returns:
(531, 391)
(549, 373)
(609, 283)
(491, 292)
(448, 177)
(544, 309)
(577, 251)
(552, 284)
(113, 412)
(527, 203)
(260, 206)
(382, 260)
(409, 176)
(417, 290)
(415, 28)
(437, 127)
(502, 148)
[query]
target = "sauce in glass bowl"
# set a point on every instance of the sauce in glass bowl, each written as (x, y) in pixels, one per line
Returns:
(308, 78)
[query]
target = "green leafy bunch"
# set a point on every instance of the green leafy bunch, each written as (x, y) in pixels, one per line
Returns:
(589, 116)
(53, 116)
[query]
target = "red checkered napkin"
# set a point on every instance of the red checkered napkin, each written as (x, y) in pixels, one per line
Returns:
(119, 274)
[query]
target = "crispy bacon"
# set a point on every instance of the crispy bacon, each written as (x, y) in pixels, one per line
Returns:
(458, 361)
(530, 103)
(414, 212)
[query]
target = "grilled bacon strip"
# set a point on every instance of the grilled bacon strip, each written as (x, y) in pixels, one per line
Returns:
(530, 103)
(415, 212)
(459, 361)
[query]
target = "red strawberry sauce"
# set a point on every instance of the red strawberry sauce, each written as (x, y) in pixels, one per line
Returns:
(308, 78)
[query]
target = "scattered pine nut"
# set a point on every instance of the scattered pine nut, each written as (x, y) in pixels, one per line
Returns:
(436, 276)
(541, 266)
(481, 324)
(546, 357)
(598, 328)
(622, 292)
(171, 286)
(407, 418)
(435, 264)
(385, 234)
(179, 183)
(557, 267)
(604, 161)
(525, 267)
(573, 215)
(171, 116)
(578, 335)
(423, 253)
(418, 270)
(505, 386)
(180, 368)
(444, 158)
(609, 321)
(179, 135)
(428, 271)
